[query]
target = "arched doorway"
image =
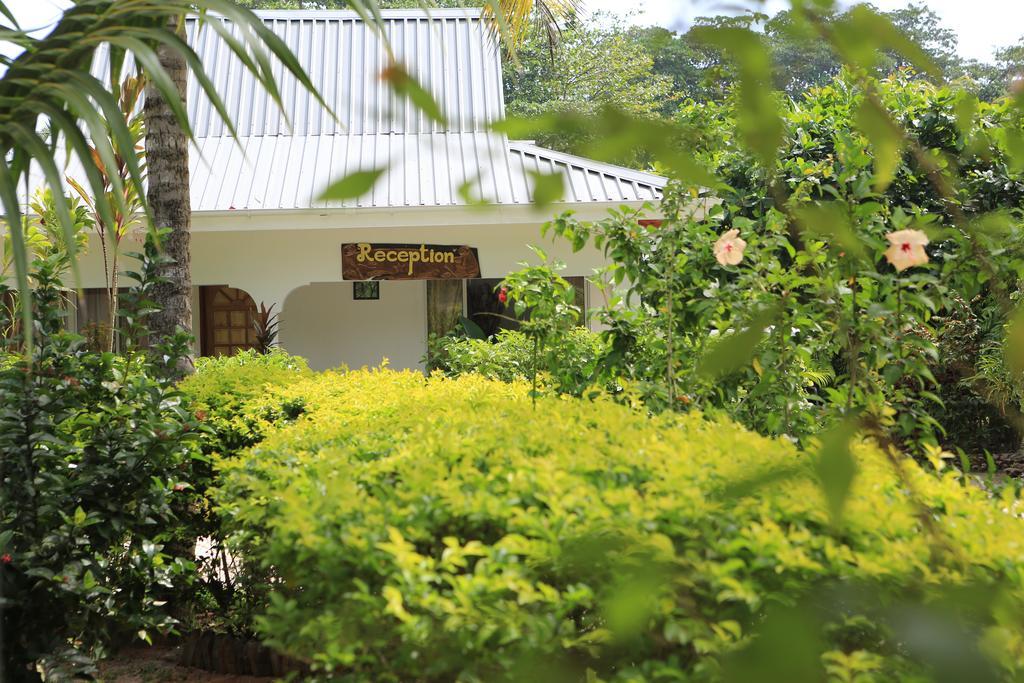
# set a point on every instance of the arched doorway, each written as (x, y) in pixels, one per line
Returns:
(332, 324)
(227, 320)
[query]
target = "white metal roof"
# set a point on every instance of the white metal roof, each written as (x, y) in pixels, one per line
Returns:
(290, 171)
(451, 52)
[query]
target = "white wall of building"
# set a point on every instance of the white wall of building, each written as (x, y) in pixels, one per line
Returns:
(293, 260)
(326, 326)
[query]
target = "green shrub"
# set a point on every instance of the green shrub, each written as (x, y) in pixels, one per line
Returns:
(777, 295)
(437, 529)
(510, 356)
(97, 451)
(233, 396)
(224, 391)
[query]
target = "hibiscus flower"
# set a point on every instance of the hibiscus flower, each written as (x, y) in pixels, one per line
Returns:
(906, 249)
(729, 248)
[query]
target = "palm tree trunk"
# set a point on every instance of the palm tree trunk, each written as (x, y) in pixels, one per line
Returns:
(168, 197)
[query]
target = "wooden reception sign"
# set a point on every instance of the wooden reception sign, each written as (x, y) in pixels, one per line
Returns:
(366, 261)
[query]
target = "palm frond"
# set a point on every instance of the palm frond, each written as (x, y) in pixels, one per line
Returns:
(511, 18)
(49, 96)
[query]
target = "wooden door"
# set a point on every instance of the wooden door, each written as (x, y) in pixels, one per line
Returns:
(444, 306)
(227, 321)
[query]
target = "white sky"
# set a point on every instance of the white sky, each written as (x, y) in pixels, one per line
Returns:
(982, 25)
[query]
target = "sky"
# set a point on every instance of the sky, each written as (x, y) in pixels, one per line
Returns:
(982, 25)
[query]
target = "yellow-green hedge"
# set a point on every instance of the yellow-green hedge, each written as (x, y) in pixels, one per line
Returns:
(225, 394)
(446, 529)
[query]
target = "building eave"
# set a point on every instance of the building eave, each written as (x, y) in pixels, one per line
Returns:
(485, 217)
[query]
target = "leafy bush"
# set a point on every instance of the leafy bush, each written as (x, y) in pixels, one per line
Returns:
(813, 317)
(223, 388)
(510, 356)
(431, 529)
(97, 452)
(233, 396)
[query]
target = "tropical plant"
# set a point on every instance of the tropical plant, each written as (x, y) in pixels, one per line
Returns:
(446, 529)
(575, 355)
(265, 324)
(110, 236)
(45, 240)
(819, 318)
(96, 450)
(49, 82)
(46, 237)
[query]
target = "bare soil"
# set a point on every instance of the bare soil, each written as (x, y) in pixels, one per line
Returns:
(158, 664)
(1008, 464)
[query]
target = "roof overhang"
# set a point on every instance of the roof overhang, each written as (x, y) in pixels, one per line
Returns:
(402, 217)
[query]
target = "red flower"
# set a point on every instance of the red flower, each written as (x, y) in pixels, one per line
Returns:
(5, 558)
(503, 295)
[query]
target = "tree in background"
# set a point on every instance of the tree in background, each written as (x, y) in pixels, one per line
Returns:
(596, 64)
(801, 61)
(168, 197)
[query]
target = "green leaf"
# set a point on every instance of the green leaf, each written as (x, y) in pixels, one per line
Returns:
(836, 467)
(886, 139)
(9, 195)
(1013, 138)
(830, 220)
(353, 185)
(615, 135)
(758, 121)
(736, 350)
(9, 15)
(80, 516)
(965, 107)
(786, 648)
(864, 35)
(53, 178)
(406, 86)
(472, 330)
(548, 188)
(1014, 345)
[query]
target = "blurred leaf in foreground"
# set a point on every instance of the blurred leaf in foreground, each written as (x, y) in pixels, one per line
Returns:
(836, 467)
(548, 188)
(1014, 347)
(759, 121)
(353, 185)
(736, 350)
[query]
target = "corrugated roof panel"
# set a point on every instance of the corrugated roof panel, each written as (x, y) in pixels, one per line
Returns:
(449, 51)
(453, 55)
(290, 172)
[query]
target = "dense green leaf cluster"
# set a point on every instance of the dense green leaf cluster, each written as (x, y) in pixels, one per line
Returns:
(811, 322)
(511, 355)
(97, 454)
(955, 165)
(427, 529)
(228, 395)
(223, 387)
